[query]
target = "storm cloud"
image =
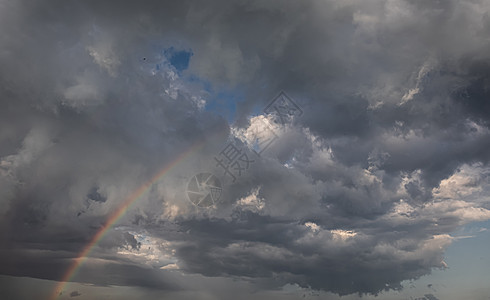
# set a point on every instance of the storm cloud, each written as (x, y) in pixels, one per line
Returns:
(358, 194)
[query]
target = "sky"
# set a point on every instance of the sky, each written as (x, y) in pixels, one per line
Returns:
(316, 149)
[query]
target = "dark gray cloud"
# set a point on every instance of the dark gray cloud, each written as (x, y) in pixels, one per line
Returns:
(75, 294)
(357, 195)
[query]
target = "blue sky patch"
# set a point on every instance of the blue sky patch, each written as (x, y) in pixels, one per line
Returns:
(179, 59)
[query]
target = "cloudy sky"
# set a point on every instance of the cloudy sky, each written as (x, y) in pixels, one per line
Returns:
(369, 175)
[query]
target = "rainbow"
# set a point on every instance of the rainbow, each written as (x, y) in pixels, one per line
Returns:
(116, 215)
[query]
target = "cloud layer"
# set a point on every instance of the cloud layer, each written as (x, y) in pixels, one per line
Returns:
(356, 195)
